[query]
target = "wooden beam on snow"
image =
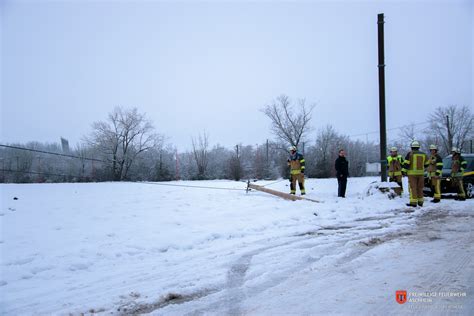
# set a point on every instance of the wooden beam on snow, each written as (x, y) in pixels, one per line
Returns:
(285, 196)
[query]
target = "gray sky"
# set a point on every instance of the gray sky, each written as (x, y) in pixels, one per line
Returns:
(195, 66)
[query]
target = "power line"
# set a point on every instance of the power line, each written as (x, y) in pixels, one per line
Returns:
(50, 153)
(390, 129)
(271, 183)
(43, 173)
(188, 186)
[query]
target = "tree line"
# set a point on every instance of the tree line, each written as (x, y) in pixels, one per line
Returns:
(126, 147)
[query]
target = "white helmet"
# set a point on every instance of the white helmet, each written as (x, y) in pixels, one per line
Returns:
(393, 149)
(292, 148)
(455, 150)
(415, 144)
(433, 147)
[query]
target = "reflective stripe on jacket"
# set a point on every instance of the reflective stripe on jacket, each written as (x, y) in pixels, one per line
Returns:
(296, 163)
(394, 165)
(435, 165)
(415, 163)
(458, 166)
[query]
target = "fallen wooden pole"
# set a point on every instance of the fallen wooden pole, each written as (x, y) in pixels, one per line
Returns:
(285, 196)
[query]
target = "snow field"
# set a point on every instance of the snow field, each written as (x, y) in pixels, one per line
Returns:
(138, 247)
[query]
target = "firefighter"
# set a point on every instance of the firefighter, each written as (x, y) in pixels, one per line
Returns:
(457, 172)
(394, 166)
(414, 166)
(296, 164)
(435, 168)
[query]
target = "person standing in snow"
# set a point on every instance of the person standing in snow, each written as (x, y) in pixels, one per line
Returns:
(342, 173)
(435, 168)
(457, 172)
(297, 165)
(394, 166)
(414, 166)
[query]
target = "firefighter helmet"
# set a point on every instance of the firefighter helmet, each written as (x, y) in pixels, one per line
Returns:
(394, 149)
(433, 147)
(455, 150)
(292, 148)
(415, 144)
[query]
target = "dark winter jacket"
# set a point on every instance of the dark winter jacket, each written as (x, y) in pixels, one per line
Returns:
(342, 167)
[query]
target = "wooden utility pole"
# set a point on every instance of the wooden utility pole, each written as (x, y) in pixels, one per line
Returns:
(283, 195)
(381, 65)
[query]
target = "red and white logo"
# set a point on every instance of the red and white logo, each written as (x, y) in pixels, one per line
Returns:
(401, 296)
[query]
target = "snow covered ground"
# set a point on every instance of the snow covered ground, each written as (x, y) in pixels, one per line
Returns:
(137, 248)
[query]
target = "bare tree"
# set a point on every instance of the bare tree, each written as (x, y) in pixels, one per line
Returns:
(200, 154)
(453, 125)
(217, 167)
(235, 165)
(328, 142)
(125, 135)
(289, 123)
(407, 134)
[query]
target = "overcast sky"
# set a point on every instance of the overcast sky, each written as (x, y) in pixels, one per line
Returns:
(195, 66)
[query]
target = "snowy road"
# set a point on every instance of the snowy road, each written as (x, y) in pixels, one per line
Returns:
(128, 248)
(351, 269)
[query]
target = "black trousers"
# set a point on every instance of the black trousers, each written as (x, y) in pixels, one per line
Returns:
(341, 188)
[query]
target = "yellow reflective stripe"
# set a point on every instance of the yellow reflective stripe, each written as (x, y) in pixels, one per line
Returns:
(295, 171)
(302, 160)
(415, 158)
(415, 172)
(302, 167)
(470, 173)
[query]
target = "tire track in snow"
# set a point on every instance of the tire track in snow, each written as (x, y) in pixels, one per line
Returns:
(453, 231)
(229, 299)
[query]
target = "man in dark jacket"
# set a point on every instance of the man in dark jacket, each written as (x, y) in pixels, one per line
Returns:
(342, 172)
